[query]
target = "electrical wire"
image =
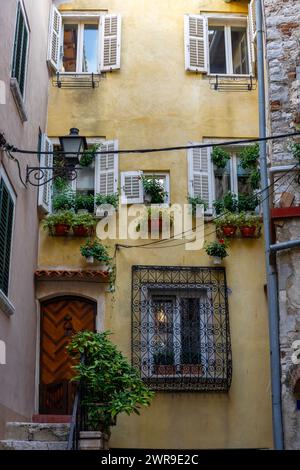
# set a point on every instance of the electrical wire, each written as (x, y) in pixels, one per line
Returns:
(13, 149)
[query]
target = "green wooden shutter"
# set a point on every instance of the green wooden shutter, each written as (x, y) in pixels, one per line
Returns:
(6, 223)
(20, 50)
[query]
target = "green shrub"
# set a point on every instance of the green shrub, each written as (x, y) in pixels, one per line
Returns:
(84, 201)
(63, 201)
(220, 157)
(85, 220)
(249, 156)
(248, 202)
(112, 199)
(249, 220)
(88, 156)
(63, 217)
(228, 219)
(155, 189)
(228, 203)
(197, 201)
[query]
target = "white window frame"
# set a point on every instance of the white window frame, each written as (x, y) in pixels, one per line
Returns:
(22, 97)
(227, 21)
(81, 21)
(8, 307)
(161, 174)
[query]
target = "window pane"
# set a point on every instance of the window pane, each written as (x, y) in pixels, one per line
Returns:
(190, 331)
(6, 222)
(85, 179)
(70, 47)
(217, 56)
(242, 179)
(90, 46)
(222, 181)
(163, 340)
(239, 50)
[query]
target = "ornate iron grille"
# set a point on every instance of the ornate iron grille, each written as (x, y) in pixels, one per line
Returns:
(180, 328)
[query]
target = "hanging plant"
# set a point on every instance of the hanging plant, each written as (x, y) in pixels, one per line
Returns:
(254, 178)
(249, 156)
(217, 250)
(88, 156)
(220, 157)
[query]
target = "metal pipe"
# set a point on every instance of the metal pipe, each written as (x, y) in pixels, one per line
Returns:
(284, 245)
(270, 268)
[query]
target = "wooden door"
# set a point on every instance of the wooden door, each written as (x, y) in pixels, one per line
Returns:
(60, 319)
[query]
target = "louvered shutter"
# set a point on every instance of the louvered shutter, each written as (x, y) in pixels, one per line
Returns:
(46, 164)
(200, 183)
(252, 31)
(132, 190)
(20, 50)
(55, 37)
(6, 224)
(106, 169)
(196, 43)
(110, 43)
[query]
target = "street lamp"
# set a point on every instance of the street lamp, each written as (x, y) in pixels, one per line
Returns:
(72, 145)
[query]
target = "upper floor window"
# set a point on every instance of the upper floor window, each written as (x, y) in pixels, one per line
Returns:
(7, 203)
(20, 54)
(83, 42)
(134, 190)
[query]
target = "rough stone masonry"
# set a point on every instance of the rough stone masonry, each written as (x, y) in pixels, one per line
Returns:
(282, 20)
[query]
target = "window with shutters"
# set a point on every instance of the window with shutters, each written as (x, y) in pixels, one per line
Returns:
(84, 42)
(232, 178)
(7, 203)
(20, 53)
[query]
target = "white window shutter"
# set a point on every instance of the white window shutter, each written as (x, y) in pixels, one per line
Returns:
(55, 37)
(106, 169)
(46, 164)
(252, 32)
(132, 190)
(110, 55)
(196, 43)
(199, 166)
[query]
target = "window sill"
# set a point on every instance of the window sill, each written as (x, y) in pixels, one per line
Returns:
(5, 305)
(16, 92)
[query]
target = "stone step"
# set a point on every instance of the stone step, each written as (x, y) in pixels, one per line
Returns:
(45, 432)
(11, 444)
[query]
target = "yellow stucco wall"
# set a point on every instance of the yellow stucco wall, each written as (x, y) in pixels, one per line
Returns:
(153, 102)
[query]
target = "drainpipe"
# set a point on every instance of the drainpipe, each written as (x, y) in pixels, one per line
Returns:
(273, 310)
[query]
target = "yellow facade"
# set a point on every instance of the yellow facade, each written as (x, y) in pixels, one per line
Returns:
(153, 102)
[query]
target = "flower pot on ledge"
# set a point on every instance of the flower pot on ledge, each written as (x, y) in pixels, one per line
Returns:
(61, 230)
(165, 369)
(89, 259)
(248, 232)
(216, 260)
(191, 369)
(80, 231)
(229, 230)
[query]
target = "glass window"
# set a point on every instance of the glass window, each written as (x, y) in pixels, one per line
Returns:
(90, 48)
(217, 54)
(70, 47)
(20, 49)
(222, 181)
(6, 223)
(232, 178)
(239, 50)
(243, 184)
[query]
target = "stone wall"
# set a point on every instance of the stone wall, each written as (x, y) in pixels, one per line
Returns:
(282, 20)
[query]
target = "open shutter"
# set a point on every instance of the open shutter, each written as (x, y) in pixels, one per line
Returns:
(200, 184)
(196, 43)
(252, 31)
(106, 169)
(46, 164)
(132, 190)
(55, 35)
(111, 43)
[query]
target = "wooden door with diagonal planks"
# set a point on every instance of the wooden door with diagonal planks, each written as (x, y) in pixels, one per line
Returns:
(60, 318)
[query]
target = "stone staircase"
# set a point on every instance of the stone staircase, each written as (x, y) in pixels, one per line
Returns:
(35, 436)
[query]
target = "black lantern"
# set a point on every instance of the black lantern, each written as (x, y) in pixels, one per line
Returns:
(72, 145)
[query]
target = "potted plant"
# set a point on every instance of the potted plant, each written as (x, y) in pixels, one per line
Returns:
(228, 203)
(95, 251)
(249, 156)
(217, 250)
(220, 157)
(248, 202)
(248, 224)
(63, 200)
(197, 201)
(83, 225)
(228, 223)
(58, 223)
(154, 190)
(103, 203)
(84, 203)
(110, 386)
(163, 361)
(88, 155)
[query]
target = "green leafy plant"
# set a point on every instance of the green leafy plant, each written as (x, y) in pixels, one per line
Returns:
(60, 183)
(254, 178)
(295, 149)
(197, 201)
(248, 202)
(63, 200)
(89, 155)
(227, 219)
(220, 157)
(249, 156)
(217, 248)
(84, 220)
(155, 190)
(63, 217)
(112, 199)
(97, 250)
(249, 220)
(84, 201)
(112, 385)
(228, 203)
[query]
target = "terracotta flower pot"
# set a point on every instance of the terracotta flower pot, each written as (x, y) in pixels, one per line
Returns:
(61, 229)
(89, 259)
(216, 260)
(193, 369)
(229, 230)
(248, 232)
(80, 231)
(155, 225)
(164, 369)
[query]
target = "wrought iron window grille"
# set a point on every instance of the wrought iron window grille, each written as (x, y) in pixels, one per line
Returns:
(180, 328)
(224, 83)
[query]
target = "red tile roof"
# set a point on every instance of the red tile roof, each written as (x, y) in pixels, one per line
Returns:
(72, 274)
